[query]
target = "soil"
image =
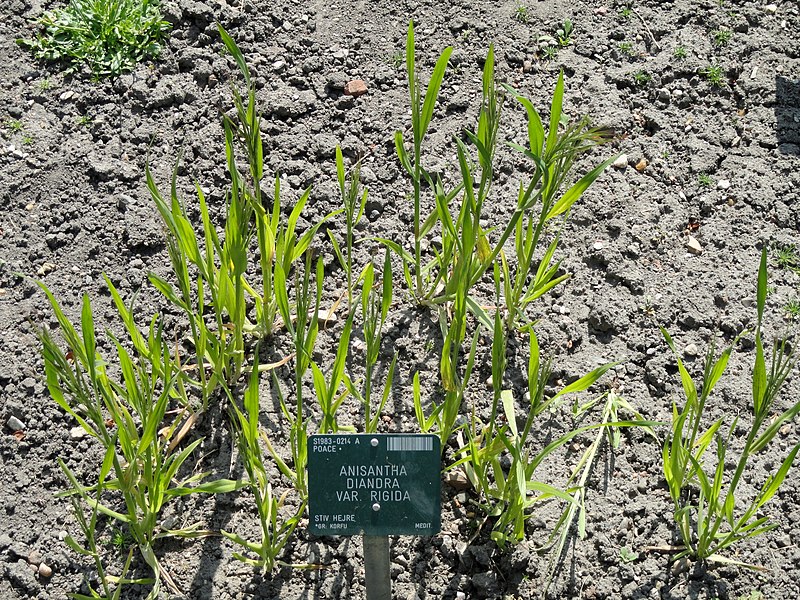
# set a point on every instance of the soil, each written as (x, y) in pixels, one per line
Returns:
(718, 162)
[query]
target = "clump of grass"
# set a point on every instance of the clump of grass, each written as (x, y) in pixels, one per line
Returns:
(641, 78)
(718, 515)
(721, 37)
(714, 74)
(705, 180)
(108, 36)
(788, 257)
(626, 48)
(14, 125)
(792, 309)
(521, 13)
(679, 53)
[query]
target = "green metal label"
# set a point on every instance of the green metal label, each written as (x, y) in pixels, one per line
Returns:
(374, 484)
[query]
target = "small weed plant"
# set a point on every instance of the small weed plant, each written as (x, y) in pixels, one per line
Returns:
(721, 37)
(711, 511)
(714, 75)
(680, 53)
(705, 180)
(107, 36)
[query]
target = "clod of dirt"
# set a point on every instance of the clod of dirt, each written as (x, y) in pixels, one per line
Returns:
(355, 88)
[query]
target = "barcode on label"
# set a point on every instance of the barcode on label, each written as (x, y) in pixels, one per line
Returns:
(409, 444)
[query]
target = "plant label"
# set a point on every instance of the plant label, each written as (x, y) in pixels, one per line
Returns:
(374, 484)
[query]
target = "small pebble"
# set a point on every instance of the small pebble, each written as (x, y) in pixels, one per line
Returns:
(355, 88)
(680, 566)
(723, 184)
(597, 245)
(641, 165)
(621, 162)
(77, 433)
(35, 558)
(690, 350)
(771, 8)
(693, 246)
(14, 424)
(45, 571)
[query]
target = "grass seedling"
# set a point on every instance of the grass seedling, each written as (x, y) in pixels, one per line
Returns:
(328, 392)
(521, 13)
(509, 495)
(542, 203)
(375, 309)
(302, 323)
(84, 120)
(129, 418)
(626, 48)
(87, 522)
(679, 53)
(792, 308)
(721, 37)
(108, 36)
(705, 180)
(625, 12)
(719, 515)
(14, 125)
(788, 257)
(278, 242)
(641, 78)
(609, 429)
(276, 528)
(549, 52)
(353, 201)
(714, 74)
(422, 105)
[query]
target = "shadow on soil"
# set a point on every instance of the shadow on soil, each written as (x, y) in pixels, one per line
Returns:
(787, 114)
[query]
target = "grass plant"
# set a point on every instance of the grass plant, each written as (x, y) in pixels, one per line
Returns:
(276, 527)
(714, 74)
(705, 180)
(353, 201)
(129, 418)
(374, 310)
(108, 36)
(788, 257)
(301, 319)
(712, 512)
(508, 495)
(422, 105)
(87, 522)
(721, 37)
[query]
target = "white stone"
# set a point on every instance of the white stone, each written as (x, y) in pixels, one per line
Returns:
(693, 246)
(621, 162)
(14, 424)
(723, 184)
(77, 433)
